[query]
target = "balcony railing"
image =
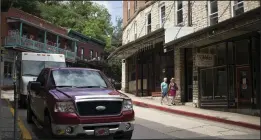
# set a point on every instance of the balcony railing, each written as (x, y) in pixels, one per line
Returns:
(24, 43)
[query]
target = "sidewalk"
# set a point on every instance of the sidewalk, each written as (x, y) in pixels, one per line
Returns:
(218, 116)
(7, 122)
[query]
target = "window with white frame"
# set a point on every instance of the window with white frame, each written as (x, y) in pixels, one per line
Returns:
(91, 54)
(162, 15)
(135, 5)
(135, 30)
(213, 12)
(148, 23)
(179, 12)
(237, 7)
(128, 12)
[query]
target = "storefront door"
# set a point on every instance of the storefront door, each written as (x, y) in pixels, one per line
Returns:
(244, 87)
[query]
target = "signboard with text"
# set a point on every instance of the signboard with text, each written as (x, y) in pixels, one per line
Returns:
(204, 60)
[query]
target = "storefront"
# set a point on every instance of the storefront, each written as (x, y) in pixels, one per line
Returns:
(231, 80)
(219, 66)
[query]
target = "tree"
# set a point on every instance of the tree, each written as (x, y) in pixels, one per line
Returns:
(29, 6)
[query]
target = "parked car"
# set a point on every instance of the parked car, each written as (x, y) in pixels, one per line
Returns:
(79, 102)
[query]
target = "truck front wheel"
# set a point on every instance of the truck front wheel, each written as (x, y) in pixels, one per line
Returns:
(29, 114)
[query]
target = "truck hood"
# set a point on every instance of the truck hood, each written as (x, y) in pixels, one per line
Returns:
(83, 93)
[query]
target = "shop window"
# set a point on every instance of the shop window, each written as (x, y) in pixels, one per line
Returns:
(206, 78)
(221, 54)
(220, 83)
(231, 82)
(213, 51)
(242, 52)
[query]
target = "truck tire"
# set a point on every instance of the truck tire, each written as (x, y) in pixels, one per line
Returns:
(125, 136)
(29, 114)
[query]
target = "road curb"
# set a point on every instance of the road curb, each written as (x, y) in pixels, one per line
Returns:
(195, 115)
(24, 132)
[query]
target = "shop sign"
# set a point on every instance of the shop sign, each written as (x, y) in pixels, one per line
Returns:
(204, 60)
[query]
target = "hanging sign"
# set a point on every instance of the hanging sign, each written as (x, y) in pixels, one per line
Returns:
(204, 60)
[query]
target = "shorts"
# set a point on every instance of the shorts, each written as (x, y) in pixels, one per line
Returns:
(163, 94)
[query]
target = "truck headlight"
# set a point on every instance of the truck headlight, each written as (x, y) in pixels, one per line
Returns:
(66, 107)
(127, 105)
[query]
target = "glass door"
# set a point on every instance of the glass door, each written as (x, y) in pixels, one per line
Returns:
(244, 87)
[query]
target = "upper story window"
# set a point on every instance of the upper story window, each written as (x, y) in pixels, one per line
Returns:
(237, 7)
(82, 51)
(148, 23)
(179, 12)
(162, 15)
(213, 12)
(91, 54)
(128, 35)
(135, 5)
(128, 12)
(135, 30)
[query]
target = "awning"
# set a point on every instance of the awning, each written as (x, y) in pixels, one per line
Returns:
(131, 48)
(12, 19)
(242, 24)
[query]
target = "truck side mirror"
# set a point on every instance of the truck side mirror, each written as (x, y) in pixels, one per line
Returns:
(34, 86)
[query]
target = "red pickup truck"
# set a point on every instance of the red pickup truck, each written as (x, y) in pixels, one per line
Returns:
(75, 102)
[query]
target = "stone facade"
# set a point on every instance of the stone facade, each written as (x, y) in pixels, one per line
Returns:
(200, 20)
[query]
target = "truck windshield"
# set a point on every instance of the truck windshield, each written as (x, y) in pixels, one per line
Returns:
(78, 78)
(33, 68)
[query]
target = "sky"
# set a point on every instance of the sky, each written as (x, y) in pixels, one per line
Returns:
(114, 8)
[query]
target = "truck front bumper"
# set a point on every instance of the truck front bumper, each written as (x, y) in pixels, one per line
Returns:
(89, 129)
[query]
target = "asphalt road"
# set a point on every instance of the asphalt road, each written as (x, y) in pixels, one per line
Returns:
(154, 124)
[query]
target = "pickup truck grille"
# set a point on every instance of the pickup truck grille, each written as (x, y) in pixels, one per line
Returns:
(88, 108)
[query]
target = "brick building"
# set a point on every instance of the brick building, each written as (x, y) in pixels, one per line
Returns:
(21, 31)
(212, 48)
(89, 50)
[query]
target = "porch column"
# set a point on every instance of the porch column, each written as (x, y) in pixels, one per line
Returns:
(179, 70)
(195, 81)
(21, 32)
(137, 74)
(258, 73)
(75, 47)
(45, 35)
(57, 41)
(124, 73)
(141, 78)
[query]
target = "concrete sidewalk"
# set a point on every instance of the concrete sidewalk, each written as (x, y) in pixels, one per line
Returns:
(252, 122)
(7, 122)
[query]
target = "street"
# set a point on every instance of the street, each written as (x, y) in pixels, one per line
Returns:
(153, 124)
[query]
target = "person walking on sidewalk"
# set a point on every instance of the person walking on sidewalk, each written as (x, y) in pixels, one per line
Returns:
(173, 89)
(164, 90)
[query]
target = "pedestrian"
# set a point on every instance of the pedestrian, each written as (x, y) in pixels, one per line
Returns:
(164, 90)
(173, 89)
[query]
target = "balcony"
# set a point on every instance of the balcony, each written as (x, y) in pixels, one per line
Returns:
(26, 44)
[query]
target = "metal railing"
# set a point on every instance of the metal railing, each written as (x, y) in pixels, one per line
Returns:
(20, 42)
